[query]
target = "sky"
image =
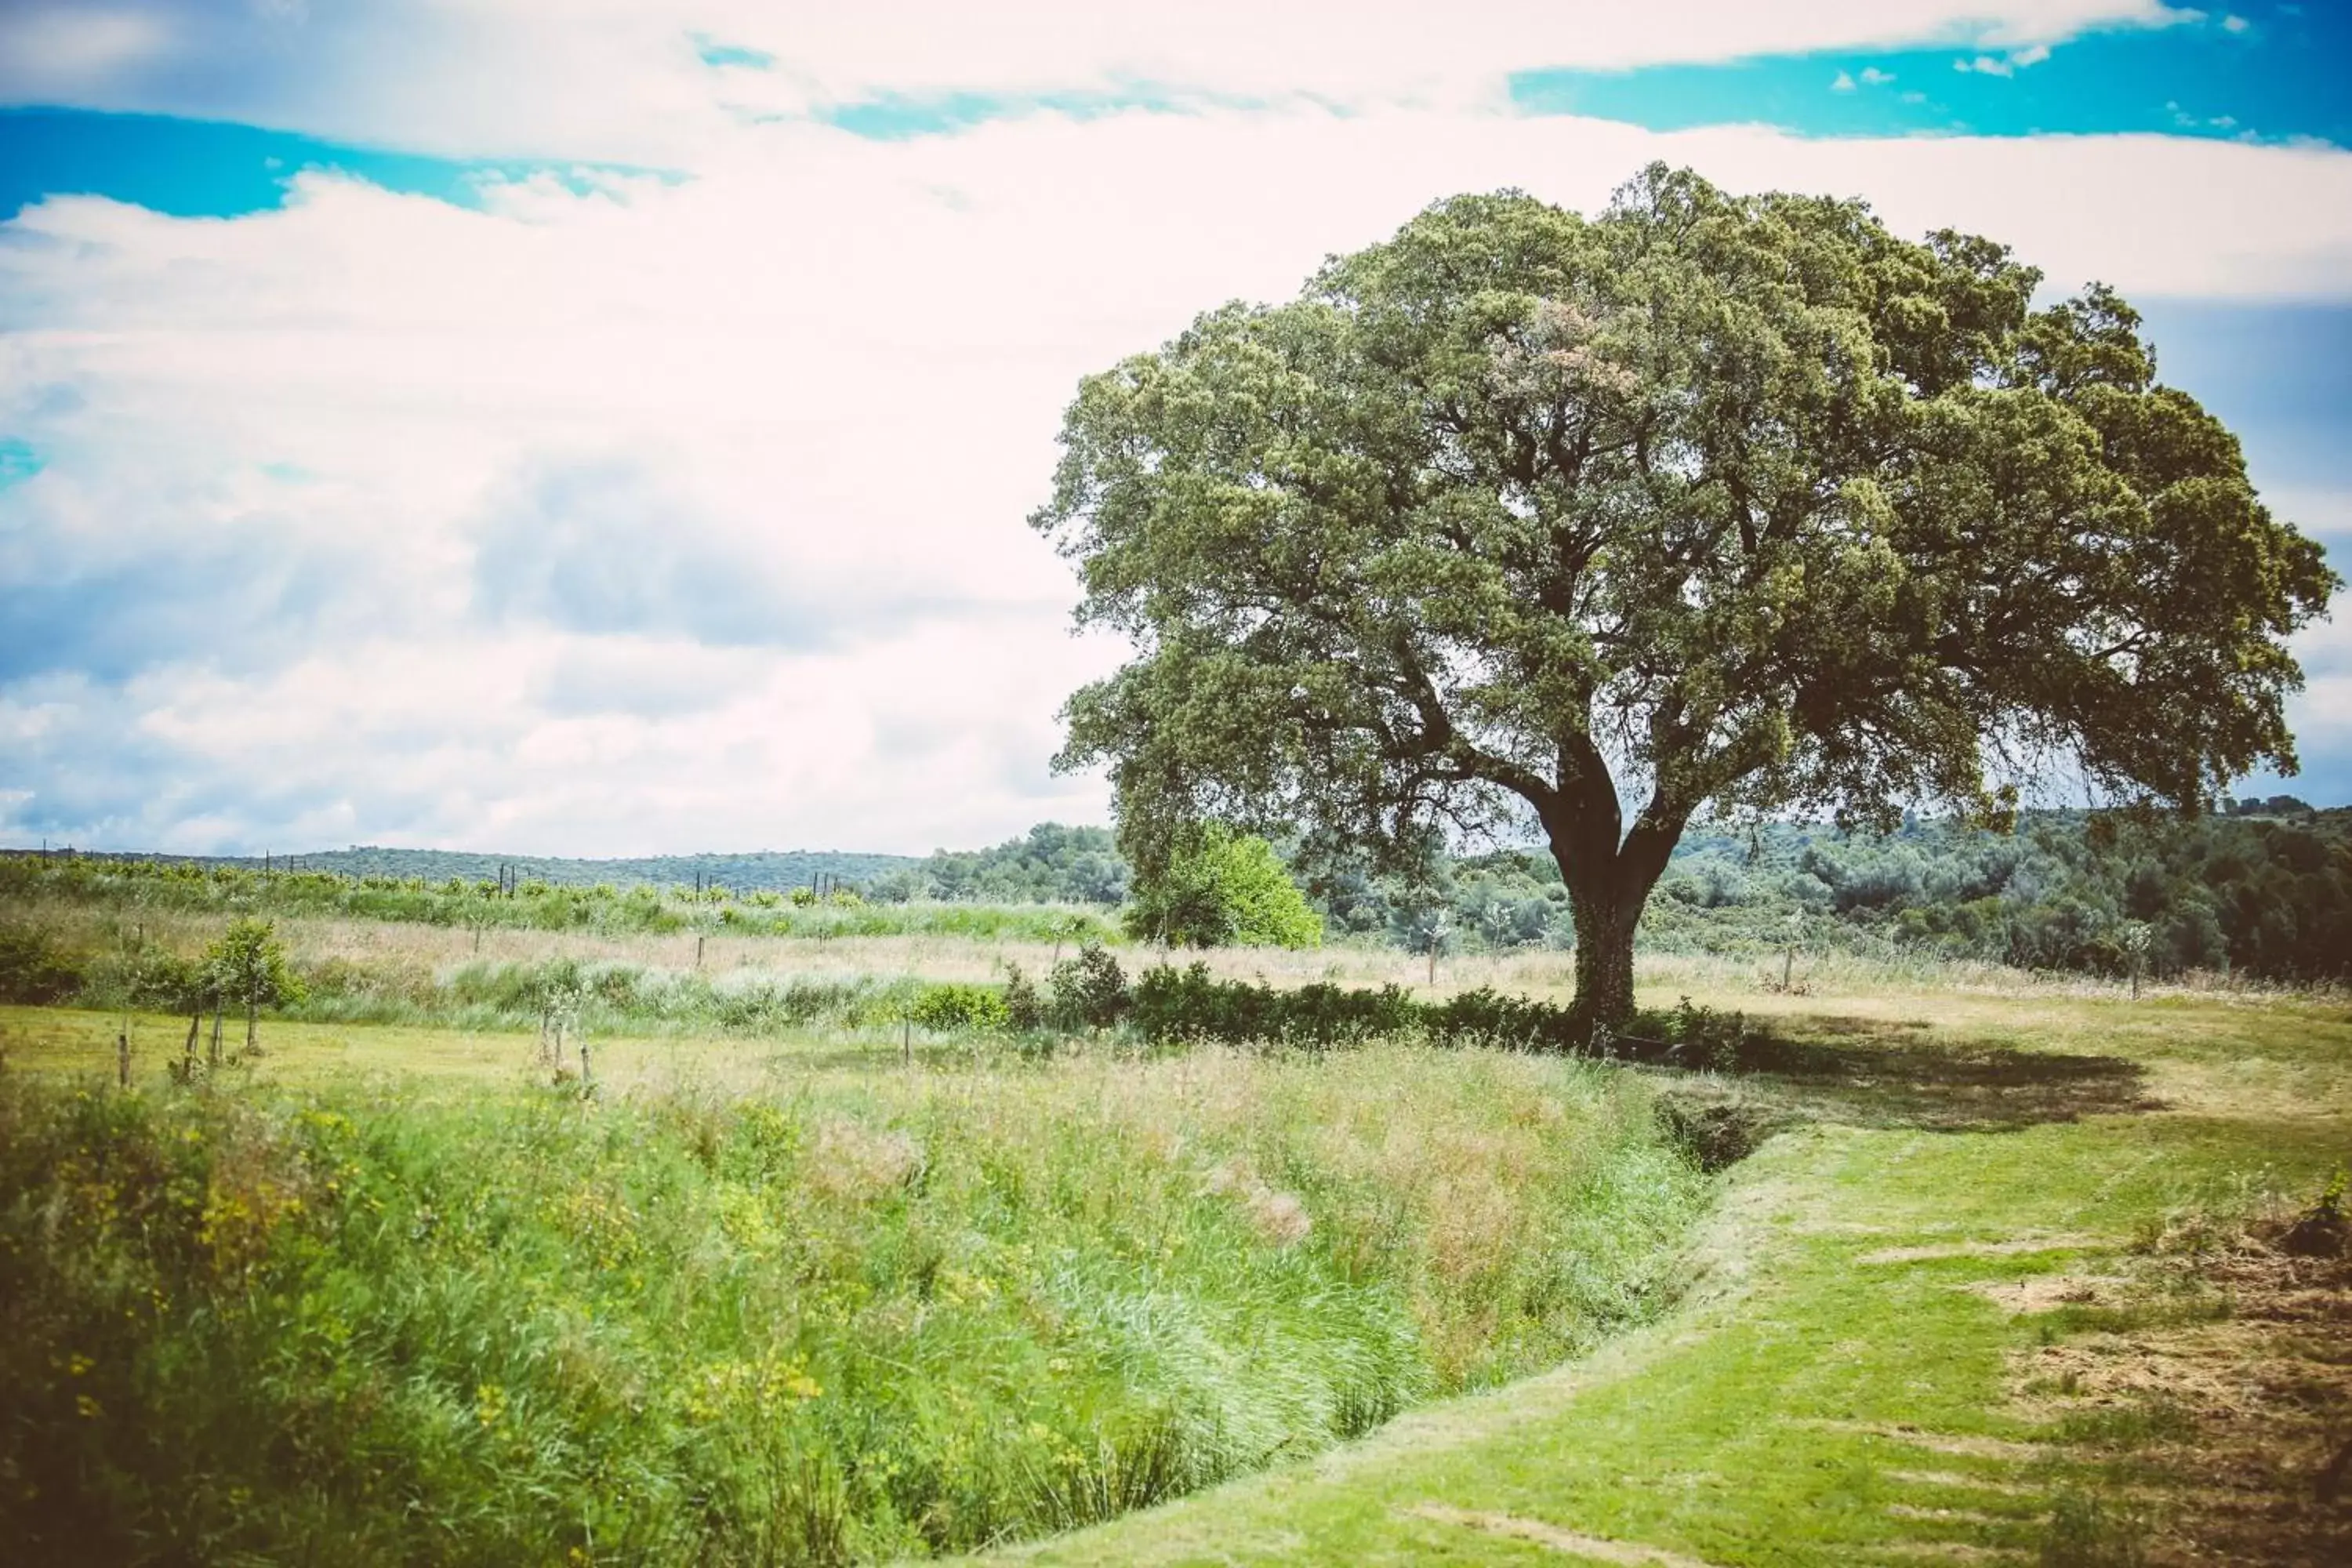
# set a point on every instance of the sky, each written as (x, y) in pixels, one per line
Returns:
(608, 426)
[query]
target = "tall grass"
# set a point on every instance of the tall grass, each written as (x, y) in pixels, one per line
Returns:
(903, 1314)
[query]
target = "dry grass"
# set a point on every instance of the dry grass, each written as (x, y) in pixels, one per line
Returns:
(1822, 980)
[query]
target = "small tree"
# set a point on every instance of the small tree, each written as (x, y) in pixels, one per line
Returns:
(562, 994)
(165, 982)
(247, 965)
(1222, 889)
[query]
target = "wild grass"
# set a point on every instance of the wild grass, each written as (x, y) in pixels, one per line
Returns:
(1234, 1258)
(852, 1315)
(393, 972)
(1850, 1384)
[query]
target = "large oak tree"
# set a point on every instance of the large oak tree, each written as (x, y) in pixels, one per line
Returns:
(1709, 502)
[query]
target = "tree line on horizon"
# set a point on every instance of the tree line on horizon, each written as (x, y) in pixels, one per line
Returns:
(2260, 887)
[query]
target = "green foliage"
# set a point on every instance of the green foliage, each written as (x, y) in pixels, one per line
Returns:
(1089, 990)
(885, 1320)
(951, 1008)
(2263, 893)
(1220, 888)
(1024, 1009)
(740, 873)
(247, 967)
(1049, 864)
(1743, 500)
(1187, 1005)
(2067, 891)
(33, 969)
(534, 905)
(1173, 1007)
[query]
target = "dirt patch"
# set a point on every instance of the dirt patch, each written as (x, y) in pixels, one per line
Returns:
(2049, 1292)
(2021, 1244)
(1632, 1553)
(2241, 1419)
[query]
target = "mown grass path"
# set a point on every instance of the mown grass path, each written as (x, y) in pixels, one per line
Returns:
(1842, 1386)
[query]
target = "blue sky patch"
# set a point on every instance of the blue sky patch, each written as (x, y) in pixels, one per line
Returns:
(18, 462)
(714, 53)
(2267, 73)
(900, 117)
(205, 168)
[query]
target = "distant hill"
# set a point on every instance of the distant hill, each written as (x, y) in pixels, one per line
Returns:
(773, 871)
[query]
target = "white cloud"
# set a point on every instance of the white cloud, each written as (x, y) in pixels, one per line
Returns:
(625, 80)
(2004, 65)
(58, 51)
(1872, 76)
(1843, 83)
(817, 382)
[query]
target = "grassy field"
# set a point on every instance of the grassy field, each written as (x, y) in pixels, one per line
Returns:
(388, 1294)
(422, 953)
(1990, 1294)
(1997, 1302)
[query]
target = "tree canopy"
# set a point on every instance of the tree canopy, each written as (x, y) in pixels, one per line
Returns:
(1708, 502)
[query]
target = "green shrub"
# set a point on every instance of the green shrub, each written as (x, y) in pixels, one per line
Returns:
(1222, 889)
(1090, 990)
(1024, 1009)
(33, 969)
(1188, 1005)
(950, 1009)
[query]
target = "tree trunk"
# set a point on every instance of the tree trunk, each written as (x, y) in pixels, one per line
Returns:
(1604, 958)
(252, 1025)
(216, 1035)
(1604, 976)
(1608, 883)
(195, 1026)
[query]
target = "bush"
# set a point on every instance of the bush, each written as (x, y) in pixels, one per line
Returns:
(1025, 1010)
(1187, 1005)
(33, 970)
(951, 1008)
(1224, 890)
(166, 983)
(1090, 990)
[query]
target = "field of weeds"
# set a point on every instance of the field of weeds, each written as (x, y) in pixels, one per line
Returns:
(846, 1313)
(684, 983)
(832, 1286)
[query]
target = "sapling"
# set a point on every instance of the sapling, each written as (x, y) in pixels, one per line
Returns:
(248, 964)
